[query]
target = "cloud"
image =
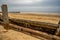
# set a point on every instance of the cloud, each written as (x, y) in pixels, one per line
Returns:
(33, 2)
(32, 5)
(23, 1)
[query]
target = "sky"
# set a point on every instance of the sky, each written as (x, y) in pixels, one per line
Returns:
(32, 5)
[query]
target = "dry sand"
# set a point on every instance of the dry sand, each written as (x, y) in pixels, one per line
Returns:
(41, 18)
(14, 35)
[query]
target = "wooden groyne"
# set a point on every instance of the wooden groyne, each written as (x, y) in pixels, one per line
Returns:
(35, 25)
(40, 29)
(40, 26)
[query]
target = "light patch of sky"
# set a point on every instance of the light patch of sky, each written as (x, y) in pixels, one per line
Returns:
(23, 1)
(34, 8)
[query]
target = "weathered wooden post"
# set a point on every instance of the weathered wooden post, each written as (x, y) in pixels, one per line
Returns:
(5, 16)
(58, 29)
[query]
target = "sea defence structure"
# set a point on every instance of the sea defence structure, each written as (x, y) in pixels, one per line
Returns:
(28, 26)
